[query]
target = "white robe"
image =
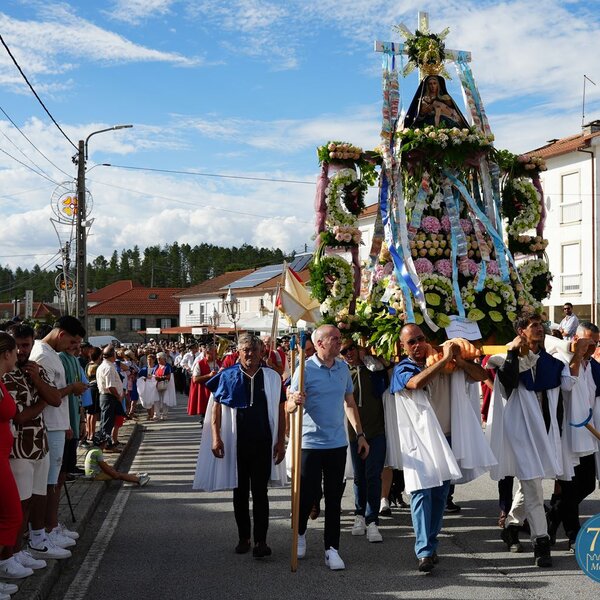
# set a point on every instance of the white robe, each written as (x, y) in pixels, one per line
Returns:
(469, 446)
(214, 474)
(426, 455)
(517, 432)
(147, 391)
(393, 450)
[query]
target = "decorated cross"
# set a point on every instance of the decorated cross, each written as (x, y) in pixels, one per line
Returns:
(423, 27)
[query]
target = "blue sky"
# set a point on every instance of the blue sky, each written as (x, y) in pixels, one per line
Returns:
(246, 88)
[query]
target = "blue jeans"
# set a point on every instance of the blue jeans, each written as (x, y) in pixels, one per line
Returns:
(367, 478)
(427, 511)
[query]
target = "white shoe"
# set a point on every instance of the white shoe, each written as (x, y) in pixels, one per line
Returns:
(25, 559)
(4, 596)
(301, 546)
(333, 560)
(12, 569)
(359, 527)
(373, 534)
(8, 588)
(144, 479)
(67, 532)
(60, 540)
(48, 549)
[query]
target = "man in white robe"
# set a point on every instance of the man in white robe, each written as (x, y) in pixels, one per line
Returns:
(424, 420)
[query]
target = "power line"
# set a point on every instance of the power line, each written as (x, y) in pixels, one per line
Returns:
(236, 212)
(35, 93)
(176, 172)
(24, 281)
(34, 146)
(38, 169)
(28, 167)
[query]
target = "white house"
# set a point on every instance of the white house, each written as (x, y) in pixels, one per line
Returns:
(571, 196)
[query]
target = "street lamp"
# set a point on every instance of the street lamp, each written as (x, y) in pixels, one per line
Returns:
(81, 225)
(232, 308)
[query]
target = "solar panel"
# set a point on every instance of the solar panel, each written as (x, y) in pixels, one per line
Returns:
(265, 273)
(300, 262)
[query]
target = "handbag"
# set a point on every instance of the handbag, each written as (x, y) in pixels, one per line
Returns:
(162, 385)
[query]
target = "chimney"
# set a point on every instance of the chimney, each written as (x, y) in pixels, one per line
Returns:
(591, 127)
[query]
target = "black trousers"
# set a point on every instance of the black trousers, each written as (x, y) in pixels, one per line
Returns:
(108, 412)
(328, 465)
(565, 506)
(254, 470)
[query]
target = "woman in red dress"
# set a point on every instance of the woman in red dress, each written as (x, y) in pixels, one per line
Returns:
(10, 504)
(202, 371)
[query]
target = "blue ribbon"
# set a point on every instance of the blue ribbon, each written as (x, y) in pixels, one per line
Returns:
(417, 213)
(481, 276)
(467, 77)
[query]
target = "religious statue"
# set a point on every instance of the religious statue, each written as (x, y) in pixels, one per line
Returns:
(432, 105)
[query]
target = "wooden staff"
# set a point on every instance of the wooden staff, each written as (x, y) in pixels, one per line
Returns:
(586, 423)
(291, 426)
(296, 458)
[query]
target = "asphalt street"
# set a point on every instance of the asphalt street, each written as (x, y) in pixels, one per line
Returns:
(167, 541)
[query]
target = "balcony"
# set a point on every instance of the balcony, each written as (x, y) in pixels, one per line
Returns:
(194, 320)
(570, 284)
(570, 212)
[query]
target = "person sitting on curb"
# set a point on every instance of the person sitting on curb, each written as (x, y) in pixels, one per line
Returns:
(97, 469)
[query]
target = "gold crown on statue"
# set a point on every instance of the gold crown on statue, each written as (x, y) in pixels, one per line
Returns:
(426, 51)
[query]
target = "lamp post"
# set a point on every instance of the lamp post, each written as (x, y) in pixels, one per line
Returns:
(81, 225)
(232, 308)
(214, 321)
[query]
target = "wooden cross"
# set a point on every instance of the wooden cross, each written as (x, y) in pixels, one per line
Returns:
(423, 26)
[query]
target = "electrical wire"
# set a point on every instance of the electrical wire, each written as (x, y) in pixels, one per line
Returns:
(37, 169)
(23, 281)
(175, 172)
(28, 167)
(227, 210)
(35, 93)
(34, 146)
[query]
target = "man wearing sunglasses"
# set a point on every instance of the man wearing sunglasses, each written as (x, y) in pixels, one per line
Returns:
(422, 397)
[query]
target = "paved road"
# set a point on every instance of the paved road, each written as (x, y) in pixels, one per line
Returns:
(166, 541)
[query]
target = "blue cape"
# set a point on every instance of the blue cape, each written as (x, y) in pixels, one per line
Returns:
(228, 387)
(547, 373)
(403, 372)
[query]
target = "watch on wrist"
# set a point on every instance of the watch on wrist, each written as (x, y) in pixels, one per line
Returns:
(359, 435)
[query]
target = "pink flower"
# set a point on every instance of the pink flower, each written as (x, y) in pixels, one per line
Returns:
(388, 269)
(423, 265)
(493, 268)
(446, 223)
(443, 267)
(472, 266)
(430, 224)
(466, 225)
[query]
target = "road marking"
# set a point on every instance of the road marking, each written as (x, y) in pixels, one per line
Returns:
(79, 586)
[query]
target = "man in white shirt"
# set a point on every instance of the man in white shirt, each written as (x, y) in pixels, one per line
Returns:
(568, 326)
(65, 336)
(110, 387)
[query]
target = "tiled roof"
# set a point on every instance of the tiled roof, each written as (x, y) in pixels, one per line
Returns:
(110, 291)
(565, 145)
(209, 286)
(370, 210)
(40, 310)
(140, 301)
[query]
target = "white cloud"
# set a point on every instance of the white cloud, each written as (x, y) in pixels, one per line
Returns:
(134, 11)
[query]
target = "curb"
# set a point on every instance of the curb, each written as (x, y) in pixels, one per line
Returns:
(39, 585)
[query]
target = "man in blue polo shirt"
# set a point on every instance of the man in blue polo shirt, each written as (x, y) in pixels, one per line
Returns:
(327, 399)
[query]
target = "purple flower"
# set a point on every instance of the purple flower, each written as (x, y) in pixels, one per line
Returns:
(472, 266)
(443, 267)
(423, 265)
(493, 268)
(446, 223)
(466, 225)
(430, 225)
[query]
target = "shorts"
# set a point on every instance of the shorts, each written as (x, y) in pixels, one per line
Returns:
(69, 461)
(56, 445)
(119, 421)
(94, 407)
(31, 476)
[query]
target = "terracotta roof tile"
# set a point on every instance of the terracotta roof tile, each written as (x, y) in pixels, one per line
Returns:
(137, 301)
(110, 291)
(565, 145)
(370, 210)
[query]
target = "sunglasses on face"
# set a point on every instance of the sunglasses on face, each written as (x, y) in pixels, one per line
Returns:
(417, 340)
(345, 351)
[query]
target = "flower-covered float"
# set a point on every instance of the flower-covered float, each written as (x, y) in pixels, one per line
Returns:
(459, 230)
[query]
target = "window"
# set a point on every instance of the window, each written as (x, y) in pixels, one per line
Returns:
(202, 313)
(570, 205)
(190, 309)
(165, 322)
(137, 324)
(106, 324)
(570, 279)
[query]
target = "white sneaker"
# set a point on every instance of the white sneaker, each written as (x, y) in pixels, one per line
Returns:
(301, 546)
(333, 560)
(48, 549)
(373, 534)
(25, 559)
(4, 596)
(60, 540)
(8, 588)
(144, 479)
(359, 527)
(67, 532)
(12, 569)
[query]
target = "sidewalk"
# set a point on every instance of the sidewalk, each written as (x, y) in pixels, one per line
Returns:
(84, 495)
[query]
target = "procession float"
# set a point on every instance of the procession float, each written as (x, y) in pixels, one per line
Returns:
(458, 241)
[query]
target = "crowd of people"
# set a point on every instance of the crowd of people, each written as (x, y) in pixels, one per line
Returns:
(424, 425)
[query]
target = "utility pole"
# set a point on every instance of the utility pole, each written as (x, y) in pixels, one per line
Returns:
(81, 239)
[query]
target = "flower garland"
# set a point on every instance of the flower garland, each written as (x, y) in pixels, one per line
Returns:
(536, 279)
(332, 283)
(521, 205)
(335, 192)
(527, 244)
